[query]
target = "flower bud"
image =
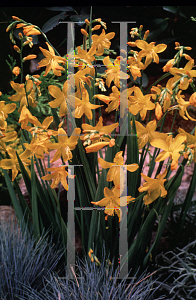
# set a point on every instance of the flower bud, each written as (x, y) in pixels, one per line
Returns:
(16, 71)
(188, 48)
(9, 27)
(112, 143)
(20, 36)
(87, 22)
(0, 93)
(187, 56)
(16, 48)
(83, 31)
(158, 111)
(177, 44)
(141, 27)
(16, 18)
(96, 27)
(146, 34)
(29, 57)
(132, 44)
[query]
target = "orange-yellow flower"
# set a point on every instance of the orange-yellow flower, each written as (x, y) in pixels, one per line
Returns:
(25, 117)
(148, 133)
(65, 144)
(5, 109)
(59, 175)
(85, 56)
(9, 136)
(114, 98)
(116, 173)
(83, 106)
(179, 72)
(155, 187)
(169, 65)
(170, 146)
(102, 41)
(140, 103)
(21, 94)
(135, 65)
(51, 61)
(38, 146)
(79, 79)
(60, 97)
(183, 107)
(113, 201)
(113, 72)
(98, 136)
(150, 51)
(13, 164)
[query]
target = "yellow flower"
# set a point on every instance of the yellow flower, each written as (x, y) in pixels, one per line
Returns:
(41, 130)
(16, 71)
(98, 136)
(135, 65)
(113, 71)
(170, 146)
(38, 146)
(65, 144)
(150, 51)
(21, 94)
(60, 97)
(59, 175)
(114, 98)
(148, 133)
(155, 187)
(191, 140)
(102, 41)
(13, 164)
(112, 202)
(169, 65)
(178, 73)
(115, 173)
(79, 79)
(5, 109)
(51, 61)
(83, 106)
(183, 106)
(87, 57)
(9, 136)
(140, 103)
(25, 117)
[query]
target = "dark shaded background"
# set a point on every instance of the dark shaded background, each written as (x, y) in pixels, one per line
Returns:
(174, 24)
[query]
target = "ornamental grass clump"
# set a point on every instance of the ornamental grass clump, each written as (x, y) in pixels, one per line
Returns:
(24, 260)
(94, 280)
(101, 166)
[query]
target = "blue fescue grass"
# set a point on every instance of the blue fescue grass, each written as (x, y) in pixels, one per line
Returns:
(24, 261)
(93, 282)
